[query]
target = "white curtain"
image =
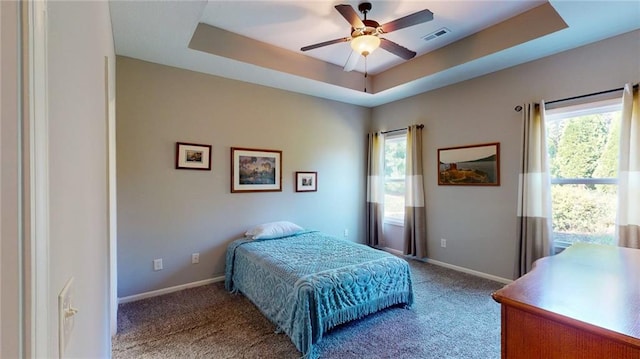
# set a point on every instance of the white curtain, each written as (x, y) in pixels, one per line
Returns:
(534, 191)
(415, 219)
(375, 189)
(628, 216)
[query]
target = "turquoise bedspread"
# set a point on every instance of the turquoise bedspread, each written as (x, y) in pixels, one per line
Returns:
(311, 282)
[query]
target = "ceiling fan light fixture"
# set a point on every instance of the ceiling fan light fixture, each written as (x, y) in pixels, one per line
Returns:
(365, 44)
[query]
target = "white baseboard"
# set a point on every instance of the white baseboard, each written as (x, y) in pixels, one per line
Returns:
(155, 293)
(456, 268)
(469, 271)
(392, 251)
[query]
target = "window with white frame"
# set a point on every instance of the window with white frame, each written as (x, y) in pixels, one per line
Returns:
(395, 149)
(582, 143)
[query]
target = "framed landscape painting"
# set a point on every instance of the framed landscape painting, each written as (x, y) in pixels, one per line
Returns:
(193, 156)
(474, 165)
(255, 170)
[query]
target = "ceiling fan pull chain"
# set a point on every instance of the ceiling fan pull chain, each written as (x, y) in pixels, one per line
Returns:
(365, 74)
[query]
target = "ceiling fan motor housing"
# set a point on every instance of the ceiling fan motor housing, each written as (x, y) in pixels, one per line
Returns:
(370, 28)
(365, 33)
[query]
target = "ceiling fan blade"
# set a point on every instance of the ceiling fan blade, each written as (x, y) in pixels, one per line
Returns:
(396, 49)
(352, 61)
(321, 44)
(409, 20)
(350, 15)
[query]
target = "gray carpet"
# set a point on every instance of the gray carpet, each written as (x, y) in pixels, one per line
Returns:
(453, 316)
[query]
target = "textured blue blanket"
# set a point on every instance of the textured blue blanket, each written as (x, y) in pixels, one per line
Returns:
(308, 283)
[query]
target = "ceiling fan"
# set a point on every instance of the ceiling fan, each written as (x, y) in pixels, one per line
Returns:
(365, 33)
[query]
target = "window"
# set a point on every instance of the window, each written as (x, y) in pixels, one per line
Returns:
(395, 148)
(582, 143)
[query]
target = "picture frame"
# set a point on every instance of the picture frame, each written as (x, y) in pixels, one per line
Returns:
(306, 181)
(193, 156)
(473, 165)
(256, 170)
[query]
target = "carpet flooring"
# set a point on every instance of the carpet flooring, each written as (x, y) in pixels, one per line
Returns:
(453, 316)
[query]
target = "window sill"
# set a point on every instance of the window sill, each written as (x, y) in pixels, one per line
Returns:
(559, 246)
(393, 222)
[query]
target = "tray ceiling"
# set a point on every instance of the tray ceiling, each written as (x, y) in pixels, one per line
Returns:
(260, 41)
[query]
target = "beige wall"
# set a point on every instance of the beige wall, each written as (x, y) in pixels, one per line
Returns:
(170, 214)
(167, 213)
(76, 183)
(9, 244)
(78, 208)
(480, 222)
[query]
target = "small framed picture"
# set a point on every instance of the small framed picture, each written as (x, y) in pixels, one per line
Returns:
(255, 170)
(306, 181)
(193, 156)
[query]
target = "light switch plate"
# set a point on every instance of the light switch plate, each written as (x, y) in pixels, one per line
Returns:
(66, 315)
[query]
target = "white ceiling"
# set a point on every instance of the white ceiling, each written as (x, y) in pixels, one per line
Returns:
(292, 25)
(160, 32)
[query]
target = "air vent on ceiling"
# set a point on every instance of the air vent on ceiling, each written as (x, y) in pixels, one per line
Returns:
(436, 34)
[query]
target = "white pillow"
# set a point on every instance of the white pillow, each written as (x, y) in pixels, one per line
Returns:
(273, 230)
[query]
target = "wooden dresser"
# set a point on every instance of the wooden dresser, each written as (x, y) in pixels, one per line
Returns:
(582, 303)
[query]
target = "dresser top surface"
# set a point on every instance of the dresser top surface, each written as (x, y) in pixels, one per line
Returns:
(594, 284)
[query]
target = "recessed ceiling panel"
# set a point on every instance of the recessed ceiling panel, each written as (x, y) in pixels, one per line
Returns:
(161, 31)
(294, 24)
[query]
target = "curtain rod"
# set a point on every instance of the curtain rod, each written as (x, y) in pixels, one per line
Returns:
(400, 129)
(519, 108)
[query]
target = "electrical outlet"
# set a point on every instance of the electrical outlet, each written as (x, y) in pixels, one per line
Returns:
(157, 264)
(195, 258)
(346, 232)
(443, 243)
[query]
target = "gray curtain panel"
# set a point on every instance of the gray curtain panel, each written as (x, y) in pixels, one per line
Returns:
(534, 191)
(628, 216)
(415, 216)
(375, 189)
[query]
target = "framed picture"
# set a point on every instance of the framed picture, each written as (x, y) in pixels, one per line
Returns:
(306, 181)
(193, 156)
(254, 170)
(475, 165)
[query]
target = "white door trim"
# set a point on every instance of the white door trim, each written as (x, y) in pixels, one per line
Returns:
(36, 182)
(110, 105)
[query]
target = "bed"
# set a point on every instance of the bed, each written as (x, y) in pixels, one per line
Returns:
(309, 282)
